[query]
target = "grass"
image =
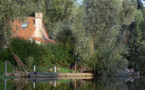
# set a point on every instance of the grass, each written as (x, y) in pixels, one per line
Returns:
(52, 69)
(2, 76)
(64, 70)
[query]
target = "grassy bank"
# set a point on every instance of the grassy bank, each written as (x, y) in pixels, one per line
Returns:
(44, 56)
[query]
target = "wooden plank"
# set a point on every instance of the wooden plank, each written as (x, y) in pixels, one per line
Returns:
(74, 77)
(48, 74)
(75, 74)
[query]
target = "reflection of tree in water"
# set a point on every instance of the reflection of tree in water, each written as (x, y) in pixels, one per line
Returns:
(116, 83)
(60, 85)
(138, 84)
(19, 84)
(105, 84)
(22, 83)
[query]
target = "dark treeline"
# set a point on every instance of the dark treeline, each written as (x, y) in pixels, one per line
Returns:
(104, 36)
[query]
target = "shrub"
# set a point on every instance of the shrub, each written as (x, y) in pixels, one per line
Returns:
(41, 55)
(29, 61)
(64, 70)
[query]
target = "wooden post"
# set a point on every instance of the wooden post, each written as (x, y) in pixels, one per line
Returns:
(33, 84)
(5, 85)
(75, 65)
(75, 85)
(55, 83)
(6, 67)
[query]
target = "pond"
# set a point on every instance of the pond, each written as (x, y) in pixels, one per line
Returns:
(104, 83)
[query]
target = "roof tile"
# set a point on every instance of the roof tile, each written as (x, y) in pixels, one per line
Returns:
(27, 32)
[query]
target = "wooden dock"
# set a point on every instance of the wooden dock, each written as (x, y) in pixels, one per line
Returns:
(75, 74)
(50, 74)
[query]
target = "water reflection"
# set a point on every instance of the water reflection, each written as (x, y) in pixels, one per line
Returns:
(108, 83)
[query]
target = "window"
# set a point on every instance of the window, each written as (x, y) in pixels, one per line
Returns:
(24, 25)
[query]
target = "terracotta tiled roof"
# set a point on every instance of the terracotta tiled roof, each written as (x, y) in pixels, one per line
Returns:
(26, 33)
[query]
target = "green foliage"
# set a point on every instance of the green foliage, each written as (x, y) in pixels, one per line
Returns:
(41, 55)
(102, 34)
(95, 28)
(54, 11)
(64, 35)
(59, 69)
(29, 61)
(58, 55)
(103, 22)
(2, 68)
(57, 9)
(64, 70)
(42, 68)
(6, 55)
(136, 42)
(65, 81)
(10, 10)
(83, 42)
(25, 49)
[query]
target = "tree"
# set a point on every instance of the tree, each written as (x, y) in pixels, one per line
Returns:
(11, 10)
(136, 42)
(54, 11)
(103, 23)
(83, 42)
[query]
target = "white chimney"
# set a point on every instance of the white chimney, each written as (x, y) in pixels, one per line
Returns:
(38, 24)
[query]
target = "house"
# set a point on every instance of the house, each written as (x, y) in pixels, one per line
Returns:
(32, 28)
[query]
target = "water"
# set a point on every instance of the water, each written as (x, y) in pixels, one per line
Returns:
(110, 83)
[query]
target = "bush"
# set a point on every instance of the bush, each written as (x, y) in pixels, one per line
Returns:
(60, 70)
(41, 69)
(6, 55)
(41, 55)
(29, 61)
(58, 55)
(65, 70)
